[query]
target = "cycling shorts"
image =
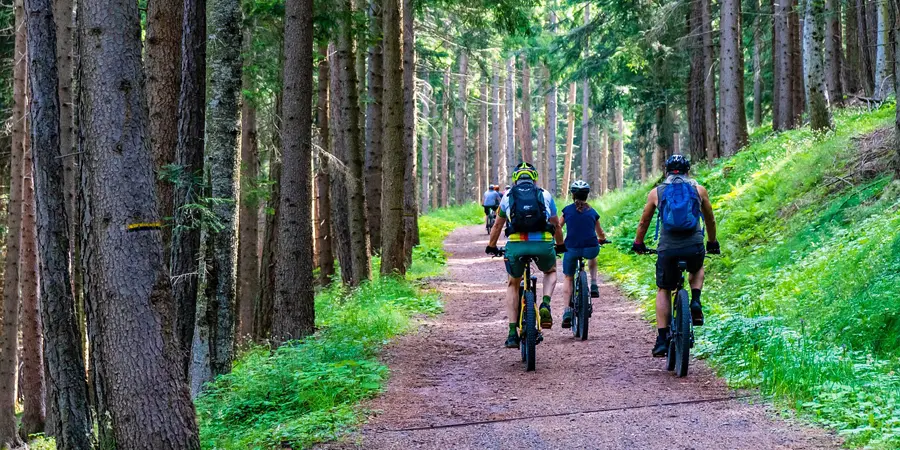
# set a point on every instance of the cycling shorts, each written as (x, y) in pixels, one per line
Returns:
(667, 273)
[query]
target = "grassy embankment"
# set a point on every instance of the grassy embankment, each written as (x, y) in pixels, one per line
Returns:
(305, 393)
(805, 301)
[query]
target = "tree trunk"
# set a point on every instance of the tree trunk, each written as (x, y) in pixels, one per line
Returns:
(481, 171)
(63, 353)
(604, 162)
(833, 53)
(570, 136)
(393, 261)
(347, 139)
(511, 160)
(149, 408)
(248, 238)
(445, 157)
(9, 327)
(219, 274)
(852, 64)
(410, 188)
(294, 308)
(733, 119)
(374, 125)
(527, 132)
(816, 94)
(757, 66)
(895, 48)
(799, 93)
(183, 263)
(323, 179)
(552, 124)
(642, 154)
(866, 74)
(783, 66)
(883, 85)
(264, 310)
(496, 120)
(618, 150)
(426, 148)
(585, 110)
(709, 83)
(33, 385)
(163, 61)
(502, 163)
(696, 94)
(460, 130)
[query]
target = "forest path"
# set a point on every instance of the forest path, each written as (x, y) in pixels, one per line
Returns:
(453, 385)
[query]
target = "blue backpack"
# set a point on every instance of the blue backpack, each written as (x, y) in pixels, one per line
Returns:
(679, 207)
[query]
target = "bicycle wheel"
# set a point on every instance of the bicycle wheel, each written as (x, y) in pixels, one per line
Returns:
(583, 311)
(682, 338)
(530, 338)
(576, 298)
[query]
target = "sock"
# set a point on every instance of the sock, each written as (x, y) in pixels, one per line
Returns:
(695, 295)
(513, 328)
(593, 281)
(663, 332)
(546, 300)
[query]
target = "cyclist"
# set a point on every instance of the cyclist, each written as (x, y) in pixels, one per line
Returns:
(490, 202)
(532, 227)
(681, 201)
(583, 238)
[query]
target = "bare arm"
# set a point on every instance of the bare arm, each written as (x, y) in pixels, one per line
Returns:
(708, 217)
(557, 233)
(646, 217)
(495, 232)
(600, 234)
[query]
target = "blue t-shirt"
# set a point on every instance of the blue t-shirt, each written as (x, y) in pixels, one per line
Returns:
(491, 198)
(580, 227)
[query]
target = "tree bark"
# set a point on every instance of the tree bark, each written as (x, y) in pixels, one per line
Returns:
(883, 85)
(552, 123)
(866, 74)
(798, 73)
(149, 408)
(895, 47)
(570, 136)
(851, 65)
(511, 160)
(709, 83)
(527, 128)
(393, 261)
(33, 381)
(163, 62)
(9, 327)
(604, 162)
(248, 220)
(618, 149)
(816, 93)
(833, 55)
(374, 124)
(323, 179)
(294, 315)
(695, 94)
(733, 119)
(460, 130)
(783, 66)
(264, 310)
(496, 119)
(410, 188)
(445, 157)
(481, 171)
(426, 147)
(183, 262)
(757, 65)
(585, 111)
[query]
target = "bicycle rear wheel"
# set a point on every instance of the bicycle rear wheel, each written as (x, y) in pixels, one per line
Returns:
(583, 311)
(682, 338)
(530, 332)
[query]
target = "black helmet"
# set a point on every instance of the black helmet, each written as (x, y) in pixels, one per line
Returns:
(678, 164)
(580, 190)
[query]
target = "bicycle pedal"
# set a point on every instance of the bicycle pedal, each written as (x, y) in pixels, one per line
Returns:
(540, 338)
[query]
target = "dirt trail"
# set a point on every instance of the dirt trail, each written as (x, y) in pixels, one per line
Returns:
(605, 393)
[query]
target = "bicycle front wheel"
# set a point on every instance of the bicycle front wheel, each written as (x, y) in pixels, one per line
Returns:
(682, 335)
(583, 311)
(530, 332)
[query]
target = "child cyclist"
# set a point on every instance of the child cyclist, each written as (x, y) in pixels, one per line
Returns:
(583, 238)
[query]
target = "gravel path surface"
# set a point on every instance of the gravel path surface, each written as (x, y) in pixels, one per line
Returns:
(453, 385)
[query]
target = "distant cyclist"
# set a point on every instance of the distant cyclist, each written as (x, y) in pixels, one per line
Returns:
(684, 208)
(533, 227)
(490, 201)
(583, 238)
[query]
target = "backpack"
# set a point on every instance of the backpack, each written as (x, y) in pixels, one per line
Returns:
(527, 212)
(679, 207)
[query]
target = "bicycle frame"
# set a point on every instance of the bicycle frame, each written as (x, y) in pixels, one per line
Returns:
(529, 282)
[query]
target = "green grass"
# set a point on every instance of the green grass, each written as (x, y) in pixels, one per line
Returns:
(308, 392)
(805, 300)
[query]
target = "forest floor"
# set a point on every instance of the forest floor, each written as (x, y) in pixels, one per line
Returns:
(453, 385)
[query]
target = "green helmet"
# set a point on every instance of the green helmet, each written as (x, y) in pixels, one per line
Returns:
(525, 171)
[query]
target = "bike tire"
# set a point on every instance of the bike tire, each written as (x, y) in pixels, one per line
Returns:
(670, 357)
(530, 325)
(683, 335)
(576, 287)
(583, 311)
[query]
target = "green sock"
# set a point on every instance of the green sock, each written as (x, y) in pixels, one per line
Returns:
(513, 328)
(546, 300)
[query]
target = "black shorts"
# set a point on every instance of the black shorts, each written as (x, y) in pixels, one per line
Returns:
(488, 209)
(667, 273)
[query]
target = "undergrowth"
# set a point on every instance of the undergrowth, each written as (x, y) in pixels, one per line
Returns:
(805, 300)
(308, 391)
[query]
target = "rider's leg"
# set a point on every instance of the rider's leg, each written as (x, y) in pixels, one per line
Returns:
(663, 307)
(696, 279)
(592, 266)
(696, 282)
(568, 287)
(549, 284)
(512, 300)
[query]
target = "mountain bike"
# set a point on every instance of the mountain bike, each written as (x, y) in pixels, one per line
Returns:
(492, 217)
(529, 336)
(681, 334)
(582, 306)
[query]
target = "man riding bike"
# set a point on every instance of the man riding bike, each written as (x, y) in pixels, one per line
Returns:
(490, 201)
(583, 238)
(682, 203)
(532, 227)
